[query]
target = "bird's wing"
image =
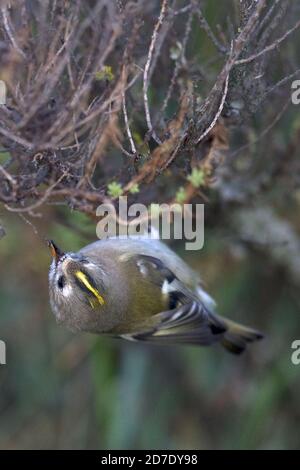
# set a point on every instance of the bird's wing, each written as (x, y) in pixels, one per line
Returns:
(185, 324)
(187, 321)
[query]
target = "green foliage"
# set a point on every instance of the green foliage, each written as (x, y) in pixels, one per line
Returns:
(180, 195)
(134, 189)
(105, 73)
(196, 178)
(142, 146)
(114, 189)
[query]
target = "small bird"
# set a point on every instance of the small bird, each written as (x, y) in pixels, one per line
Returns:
(138, 289)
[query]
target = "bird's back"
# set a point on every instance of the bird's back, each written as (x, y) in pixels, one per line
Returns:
(130, 246)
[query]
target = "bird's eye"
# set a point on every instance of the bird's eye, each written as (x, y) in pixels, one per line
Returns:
(61, 282)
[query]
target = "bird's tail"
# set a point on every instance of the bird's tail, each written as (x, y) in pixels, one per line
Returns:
(236, 337)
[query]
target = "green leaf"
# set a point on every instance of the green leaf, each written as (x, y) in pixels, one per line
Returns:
(105, 73)
(134, 189)
(181, 195)
(114, 189)
(197, 177)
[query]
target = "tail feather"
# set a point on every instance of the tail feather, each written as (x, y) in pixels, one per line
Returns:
(237, 337)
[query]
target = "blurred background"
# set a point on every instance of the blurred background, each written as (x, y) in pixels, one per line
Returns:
(59, 390)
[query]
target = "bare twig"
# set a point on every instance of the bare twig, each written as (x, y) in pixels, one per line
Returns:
(179, 61)
(147, 67)
(40, 201)
(269, 48)
(218, 113)
(8, 176)
(204, 24)
(69, 109)
(128, 131)
(10, 33)
(280, 83)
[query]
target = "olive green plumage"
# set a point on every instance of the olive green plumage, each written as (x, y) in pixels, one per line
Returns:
(139, 289)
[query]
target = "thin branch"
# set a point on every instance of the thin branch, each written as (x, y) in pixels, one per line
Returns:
(129, 134)
(268, 48)
(15, 138)
(265, 131)
(9, 32)
(147, 68)
(179, 61)
(218, 113)
(40, 201)
(281, 82)
(205, 26)
(8, 176)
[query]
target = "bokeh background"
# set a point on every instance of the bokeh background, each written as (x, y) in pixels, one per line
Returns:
(59, 390)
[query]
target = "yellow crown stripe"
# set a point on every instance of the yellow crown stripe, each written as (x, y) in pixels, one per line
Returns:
(83, 278)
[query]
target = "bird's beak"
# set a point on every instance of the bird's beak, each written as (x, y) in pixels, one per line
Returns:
(55, 251)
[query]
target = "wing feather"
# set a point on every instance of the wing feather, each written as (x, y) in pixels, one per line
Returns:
(189, 320)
